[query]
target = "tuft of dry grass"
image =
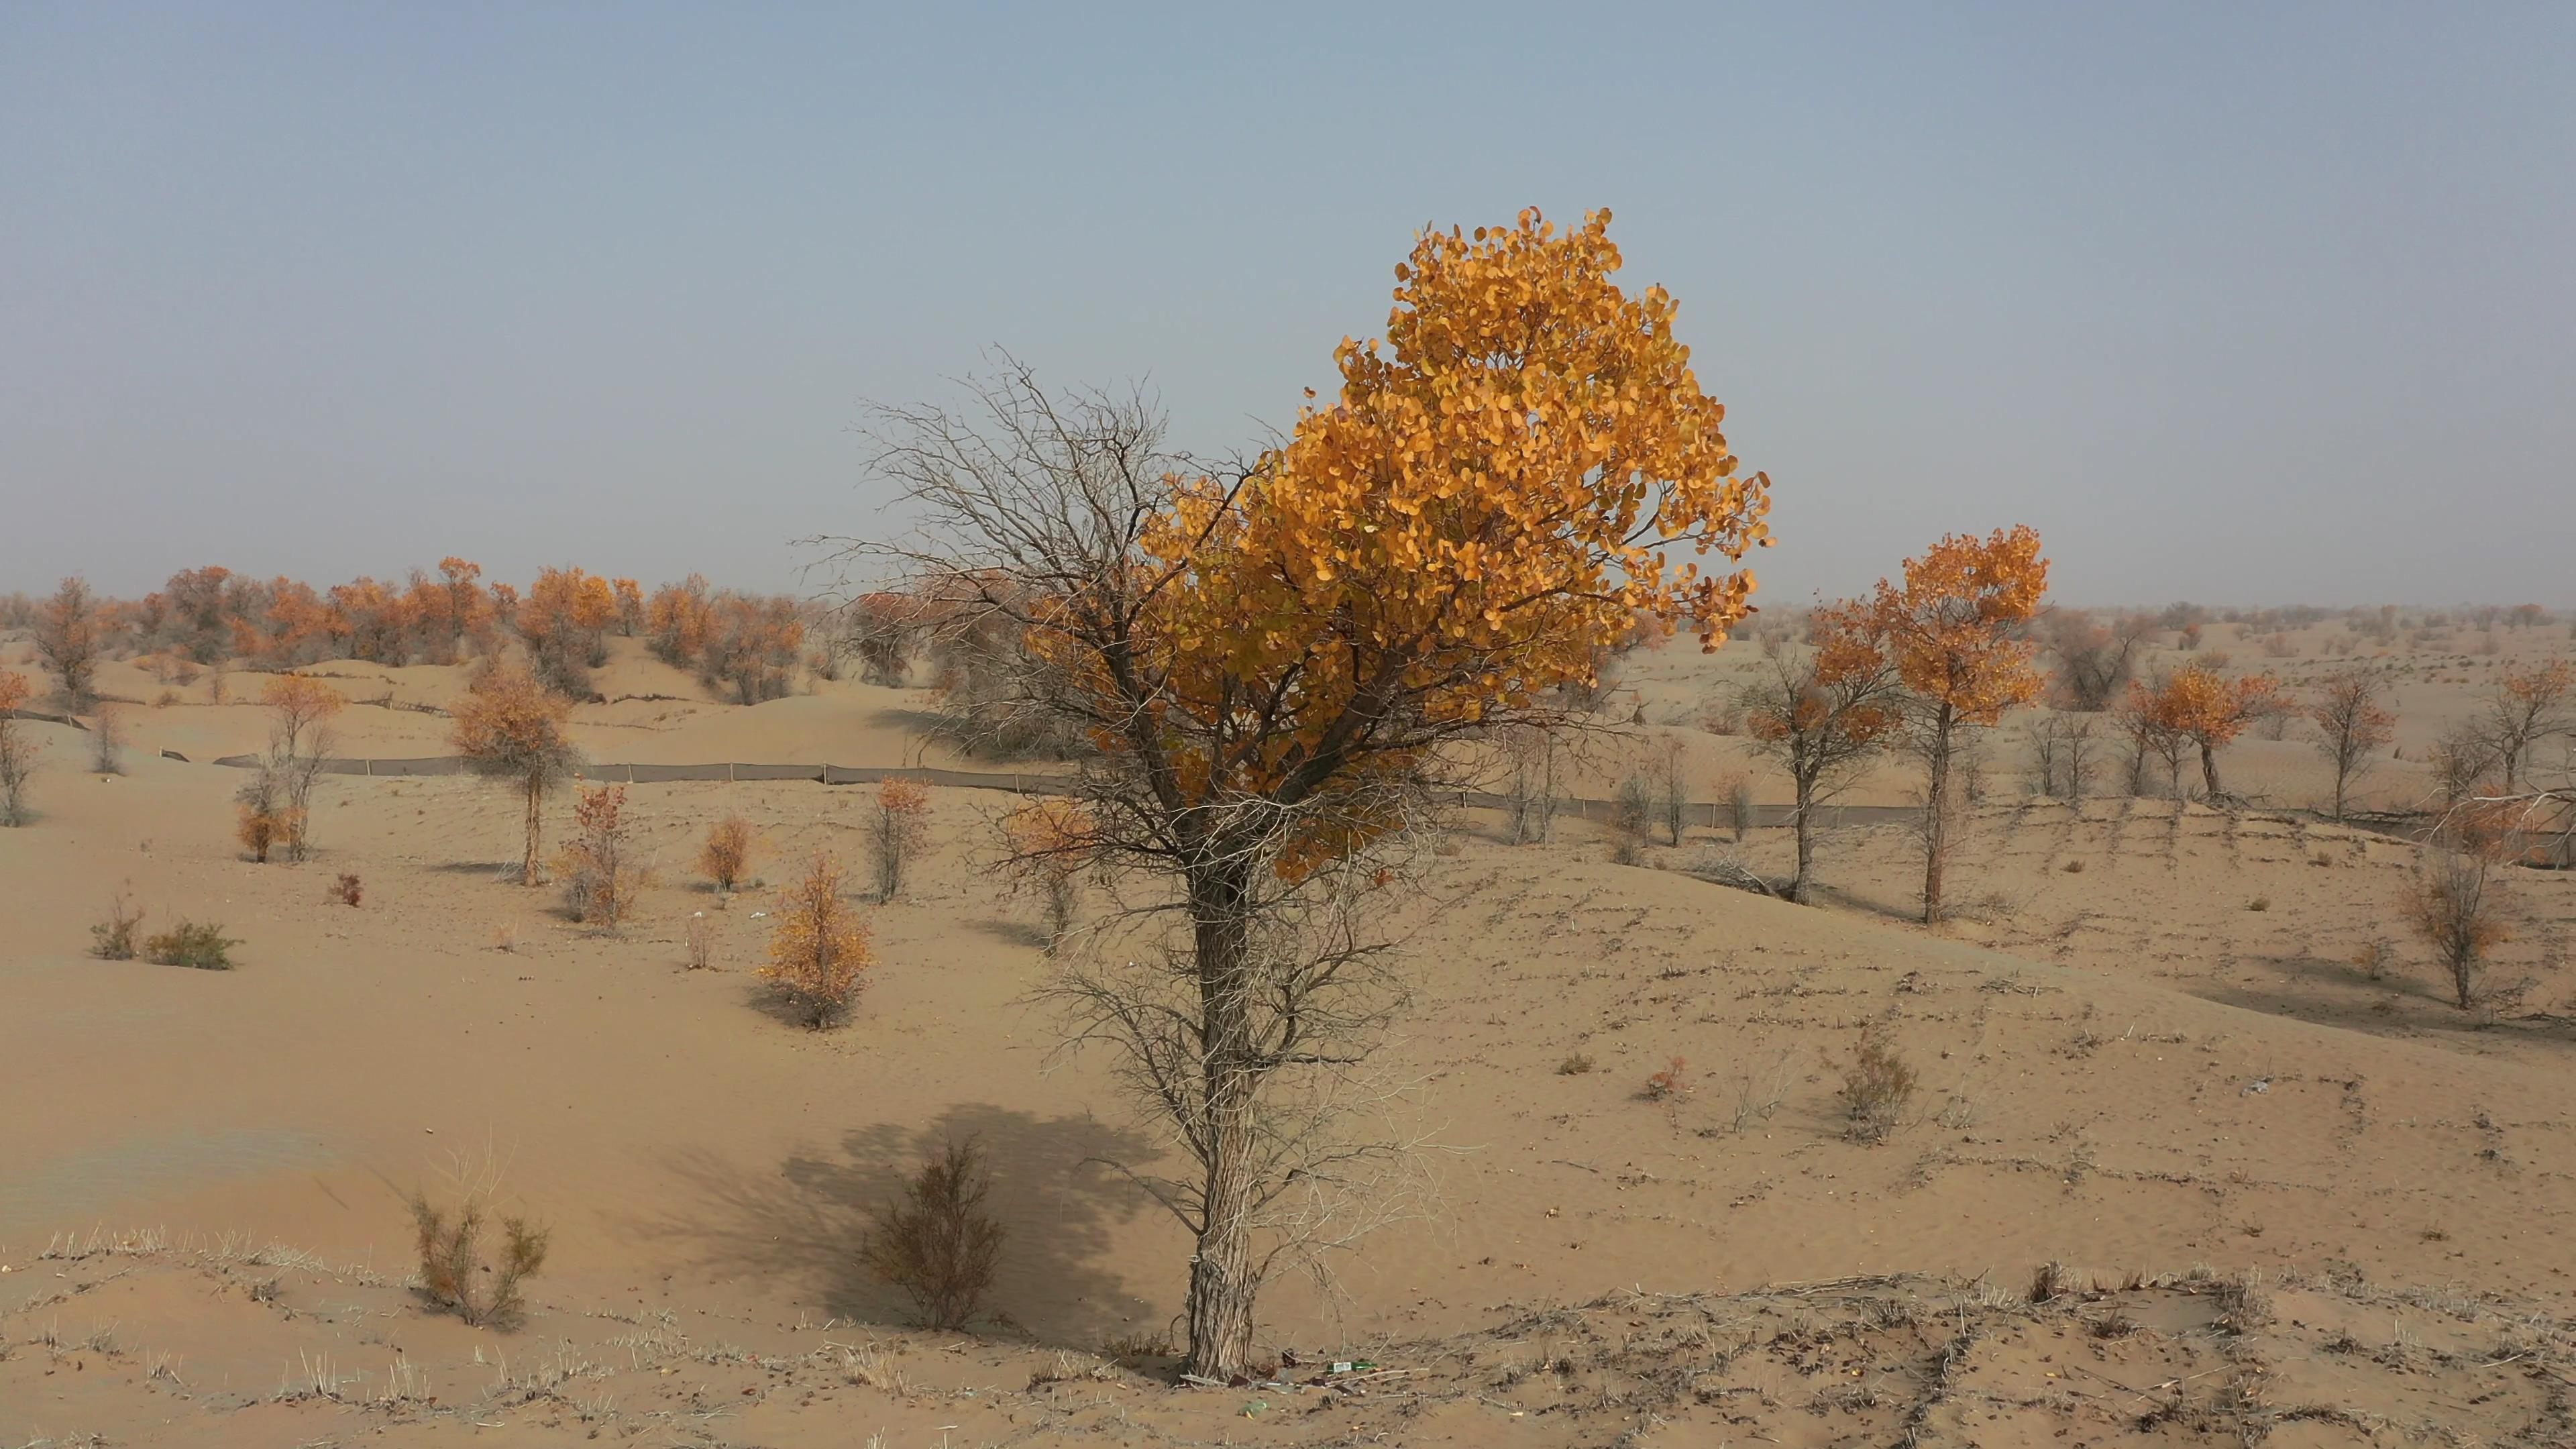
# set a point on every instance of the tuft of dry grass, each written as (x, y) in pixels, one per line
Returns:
(114, 938)
(1877, 1087)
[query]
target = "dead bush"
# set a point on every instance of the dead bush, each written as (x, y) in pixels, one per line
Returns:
(18, 750)
(702, 941)
(1737, 790)
(2453, 907)
(1576, 1064)
(453, 1272)
(114, 938)
(938, 1244)
(107, 741)
(726, 855)
(348, 890)
(1877, 1087)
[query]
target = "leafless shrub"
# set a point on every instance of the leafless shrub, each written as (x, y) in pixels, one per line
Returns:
(1876, 1089)
(1631, 811)
(1672, 1084)
(702, 938)
(1672, 787)
(348, 890)
(107, 741)
(2453, 906)
(939, 1245)
(18, 751)
(1737, 789)
(1533, 793)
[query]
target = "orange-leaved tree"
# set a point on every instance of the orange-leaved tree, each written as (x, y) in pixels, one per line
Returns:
(1954, 632)
(1820, 713)
(2209, 709)
(818, 950)
(300, 711)
(1269, 665)
(510, 727)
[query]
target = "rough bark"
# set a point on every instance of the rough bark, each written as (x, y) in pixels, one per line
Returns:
(1936, 809)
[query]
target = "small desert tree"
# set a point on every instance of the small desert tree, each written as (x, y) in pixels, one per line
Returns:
(1045, 839)
(2453, 907)
(1272, 665)
(300, 711)
(726, 855)
(107, 741)
(67, 639)
(1820, 715)
(600, 874)
(2529, 705)
(510, 727)
(938, 1244)
(18, 749)
(1953, 632)
(2353, 725)
(898, 824)
(2093, 660)
(2199, 705)
(1671, 772)
(818, 948)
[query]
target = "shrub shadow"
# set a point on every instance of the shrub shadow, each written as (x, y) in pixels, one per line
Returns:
(1054, 1197)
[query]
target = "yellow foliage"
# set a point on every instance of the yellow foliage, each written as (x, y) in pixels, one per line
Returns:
(1480, 515)
(1951, 628)
(818, 950)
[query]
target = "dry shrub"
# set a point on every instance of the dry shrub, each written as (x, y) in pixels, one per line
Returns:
(1737, 791)
(1630, 814)
(453, 1273)
(726, 855)
(268, 821)
(1876, 1089)
(702, 941)
(107, 742)
(938, 1244)
(2453, 907)
(818, 951)
(200, 945)
(1576, 1064)
(348, 890)
(897, 825)
(18, 750)
(1672, 1084)
(1048, 842)
(598, 870)
(114, 938)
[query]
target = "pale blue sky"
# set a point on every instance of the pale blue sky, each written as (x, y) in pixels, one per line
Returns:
(2250, 303)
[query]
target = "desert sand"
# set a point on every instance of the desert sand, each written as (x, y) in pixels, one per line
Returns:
(2180, 1169)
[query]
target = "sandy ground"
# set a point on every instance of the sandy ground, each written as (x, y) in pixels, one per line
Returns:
(2295, 1198)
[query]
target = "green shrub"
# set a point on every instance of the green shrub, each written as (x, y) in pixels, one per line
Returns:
(113, 938)
(200, 944)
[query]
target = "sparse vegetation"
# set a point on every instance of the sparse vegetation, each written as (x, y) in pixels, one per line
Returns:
(348, 890)
(201, 945)
(113, 939)
(509, 727)
(1877, 1087)
(898, 825)
(818, 949)
(598, 868)
(1672, 1084)
(726, 855)
(1576, 1064)
(107, 741)
(2453, 907)
(938, 1244)
(18, 750)
(454, 1274)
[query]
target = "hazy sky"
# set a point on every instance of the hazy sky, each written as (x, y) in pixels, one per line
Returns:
(2249, 303)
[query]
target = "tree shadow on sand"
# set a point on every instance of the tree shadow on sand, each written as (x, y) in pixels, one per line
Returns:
(805, 1221)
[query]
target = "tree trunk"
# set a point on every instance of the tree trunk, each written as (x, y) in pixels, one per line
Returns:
(536, 827)
(2209, 771)
(1800, 884)
(1936, 815)
(1223, 1280)
(2343, 772)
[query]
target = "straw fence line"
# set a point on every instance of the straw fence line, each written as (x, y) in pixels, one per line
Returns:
(1699, 815)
